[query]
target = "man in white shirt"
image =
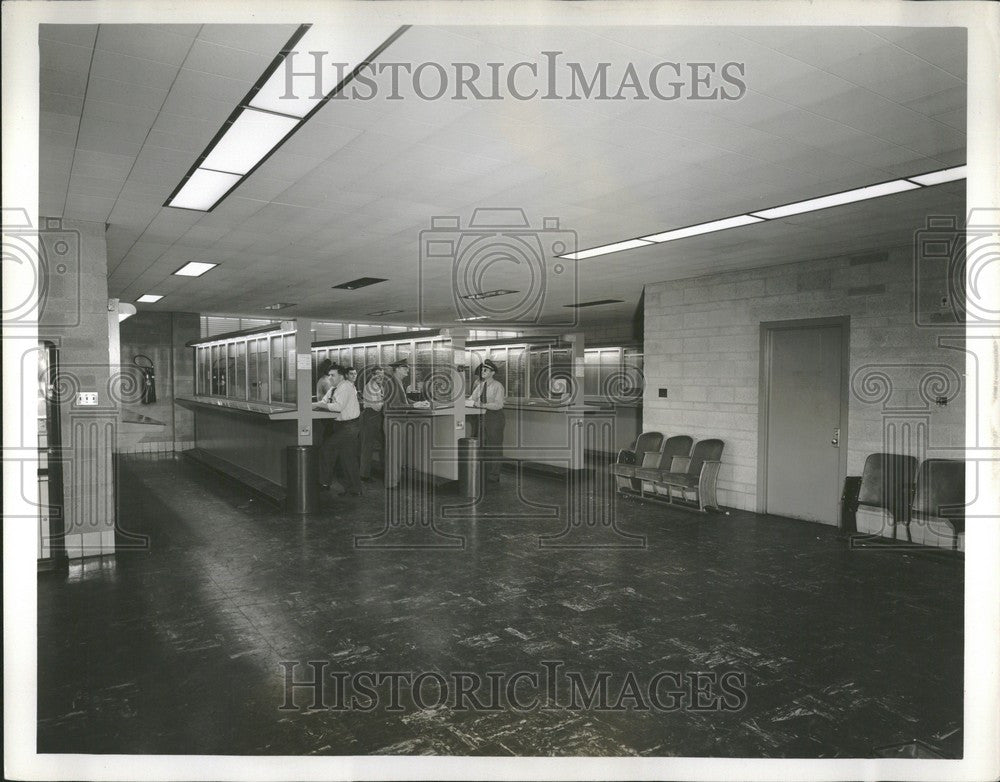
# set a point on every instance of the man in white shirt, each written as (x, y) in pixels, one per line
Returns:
(488, 395)
(341, 445)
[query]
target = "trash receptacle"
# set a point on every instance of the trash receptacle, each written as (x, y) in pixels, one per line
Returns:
(849, 505)
(302, 486)
(470, 467)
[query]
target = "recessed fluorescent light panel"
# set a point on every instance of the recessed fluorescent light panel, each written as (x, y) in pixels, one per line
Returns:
(361, 282)
(247, 141)
(203, 189)
(194, 269)
(593, 252)
(838, 199)
(703, 228)
(149, 298)
(471, 317)
(280, 305)
(939, 177)
(271, 112)
(344, 50)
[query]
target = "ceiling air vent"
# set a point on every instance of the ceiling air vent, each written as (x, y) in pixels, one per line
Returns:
(595, 303)
(361, 282)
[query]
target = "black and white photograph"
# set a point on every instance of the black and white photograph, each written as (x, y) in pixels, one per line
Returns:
(466, 390)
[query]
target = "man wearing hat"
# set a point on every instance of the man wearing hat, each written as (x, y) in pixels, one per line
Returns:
(395, 399)
(488, 395)
(372, 427)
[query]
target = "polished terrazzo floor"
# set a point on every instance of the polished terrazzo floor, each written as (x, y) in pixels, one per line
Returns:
(176, 646)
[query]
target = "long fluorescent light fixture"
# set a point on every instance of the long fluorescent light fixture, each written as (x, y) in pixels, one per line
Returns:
(248, 140)
(315, 65)
(203, 189)
(343, 51)
(799, 207)
(593, 252)
(838, 199)
(703, 228)
(939, 177)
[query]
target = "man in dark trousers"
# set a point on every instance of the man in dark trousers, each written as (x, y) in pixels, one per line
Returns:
(488, 395)
(341, 445)
(395, 400)
(372, 430)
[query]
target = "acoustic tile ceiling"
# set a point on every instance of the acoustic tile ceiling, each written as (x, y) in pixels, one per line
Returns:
(127, 109)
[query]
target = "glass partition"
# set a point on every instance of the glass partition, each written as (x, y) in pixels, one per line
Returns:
(545, 372)
(255, 368)
(290, 381)
(430, 359)
(613, 374)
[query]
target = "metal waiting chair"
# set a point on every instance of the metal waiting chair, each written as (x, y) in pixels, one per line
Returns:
(938, 512)
(676, 447)
(629, 458)
(885, 494)
(697, 474)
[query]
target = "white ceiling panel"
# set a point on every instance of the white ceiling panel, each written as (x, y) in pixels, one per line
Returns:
(182, 106)
(64, 82)
(897, 77)
(114, 165)
(84, 206)
(121, 113)
(60, 104)
(102, 188)
(264, 39)
(76, 34)
(65, 124)
(168, 44)
(195, 86)
(817, 46)
(225, 61)
(944, 47)
(112, 137)
(351, 192)
(61, 56)
(118, 67)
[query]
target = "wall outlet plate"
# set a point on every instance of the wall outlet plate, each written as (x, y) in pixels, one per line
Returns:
(86, 399)
(663, 393)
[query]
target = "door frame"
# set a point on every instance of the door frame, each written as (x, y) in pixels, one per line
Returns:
(767, 329)
(57, 559)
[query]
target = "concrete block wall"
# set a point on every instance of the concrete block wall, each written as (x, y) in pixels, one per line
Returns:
(702, 343)
(74, 316)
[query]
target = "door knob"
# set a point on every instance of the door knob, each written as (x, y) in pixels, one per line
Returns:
(836, 437)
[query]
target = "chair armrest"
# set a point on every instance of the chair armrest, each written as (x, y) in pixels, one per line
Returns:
(650, 459)
(625, 457)
(707, 480)
(680, 464)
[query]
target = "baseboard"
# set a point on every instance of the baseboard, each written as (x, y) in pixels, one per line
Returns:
(267, 489)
